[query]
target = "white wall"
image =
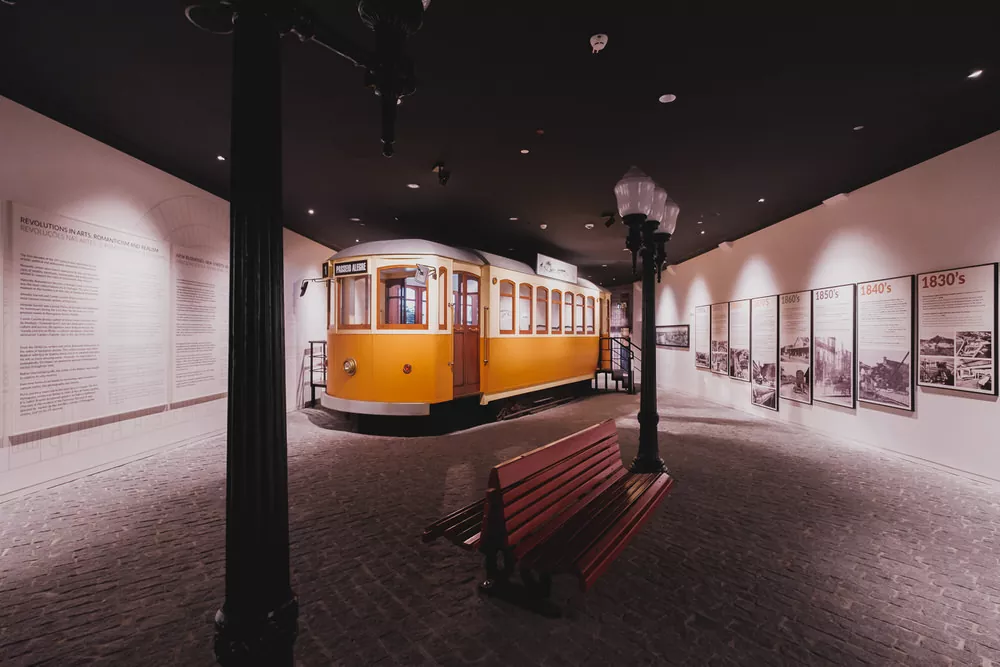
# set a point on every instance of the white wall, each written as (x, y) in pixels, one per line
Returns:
(53, 168)
(940, 214)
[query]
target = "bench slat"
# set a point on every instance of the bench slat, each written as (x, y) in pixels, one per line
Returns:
(443, 525)
(593, 563)
(531, 484)
(520, 467)
(536, 502)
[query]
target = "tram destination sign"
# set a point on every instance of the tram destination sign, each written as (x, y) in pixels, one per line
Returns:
(350, 268)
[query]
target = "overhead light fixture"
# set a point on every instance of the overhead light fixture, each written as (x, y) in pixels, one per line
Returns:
(539, 131)
(667, 99)
(220, 158)
(700, 222)
(589, 225)
(760, 201)
(355, 219)
(858, 128)
(310, 211)
(512, 219)
(357, 240)
(412, 186)
(703, 231)
(975, 74)
(524, 151)
(543, 226)
(604, 266)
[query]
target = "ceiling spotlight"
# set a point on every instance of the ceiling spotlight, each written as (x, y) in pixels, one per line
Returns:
(412, 186)
(310, 211)
(604, 266)
(760, 201)
(357, 240)
(667, 99)
(543, 226)
(220, 158)
(701, 222)
(512, 219)
(539, 131)
(858, 127)
(524, 151)
(355, 219)
(703, 231)
(589, 225)
(975, 74)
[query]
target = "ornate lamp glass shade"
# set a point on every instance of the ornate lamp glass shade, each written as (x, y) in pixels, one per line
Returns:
(659, 203)
(634, 193)
(669, 221)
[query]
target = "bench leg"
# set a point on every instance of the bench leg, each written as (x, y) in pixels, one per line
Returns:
(499, 566)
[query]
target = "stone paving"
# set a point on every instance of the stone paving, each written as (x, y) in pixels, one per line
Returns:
(776, 547)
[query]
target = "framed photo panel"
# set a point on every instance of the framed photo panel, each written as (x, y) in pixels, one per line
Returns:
(957, 325)
(795, 346)
(764, 352)
(833, 345)
(673, 335)
(720, 338)
(702, 336)
(885, 342)
(739, 340)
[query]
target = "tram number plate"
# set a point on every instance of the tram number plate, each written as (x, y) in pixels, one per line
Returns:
(350, 268)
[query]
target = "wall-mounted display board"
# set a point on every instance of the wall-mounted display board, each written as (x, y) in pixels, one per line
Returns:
(739, 340)
(702, 336)
(673, 335)
(200, 280)
(720, 338)
(92, 321)
(764, 352)
(833, 345)
(885, 342)
(957, 315)
(795, 346)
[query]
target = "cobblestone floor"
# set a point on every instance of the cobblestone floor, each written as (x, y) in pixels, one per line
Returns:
(777, 546)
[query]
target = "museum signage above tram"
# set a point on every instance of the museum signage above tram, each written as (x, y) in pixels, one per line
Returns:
(553, 268)
(350, 268)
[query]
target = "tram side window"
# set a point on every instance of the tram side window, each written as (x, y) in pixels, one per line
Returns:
(506, 307)
(556, 311)
(541, 310)
(568, 313)
(404, 300)
(471, 301)
(590, 314)
(524, 308)
(579, 314)
(353, 298)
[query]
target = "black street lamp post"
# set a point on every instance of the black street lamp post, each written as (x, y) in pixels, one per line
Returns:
(643, 207)
(258, 621)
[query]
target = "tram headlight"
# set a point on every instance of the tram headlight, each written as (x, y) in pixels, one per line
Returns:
(350, 366)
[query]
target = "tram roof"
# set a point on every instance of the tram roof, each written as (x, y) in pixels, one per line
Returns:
(424, 247)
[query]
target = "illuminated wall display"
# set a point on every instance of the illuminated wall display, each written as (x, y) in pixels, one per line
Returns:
(739, 340)
(200, 320)
(795, 346)
(702, 336)
(764, 352)
(720, 338)
(885, 342)
(957, 315)
(673, 335)
(833, 345)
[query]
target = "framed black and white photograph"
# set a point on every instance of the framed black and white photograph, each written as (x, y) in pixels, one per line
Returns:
(957, 325)
(703, 337)
(885, 342)
(795, 347)
(764, 352)
(720, 338)
(673, 335)
(739, 340)
(833, 345)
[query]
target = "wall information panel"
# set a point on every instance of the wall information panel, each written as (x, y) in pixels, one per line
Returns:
(702, 336)
(720, 338)
(200, 280)
(885, 342)
(795, 343)
(764, 352)
(833, 345)
(739, 340)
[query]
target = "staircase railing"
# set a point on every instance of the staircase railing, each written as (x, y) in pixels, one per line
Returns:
(623, 355)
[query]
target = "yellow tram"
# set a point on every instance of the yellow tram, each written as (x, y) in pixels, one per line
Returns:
(414, 323)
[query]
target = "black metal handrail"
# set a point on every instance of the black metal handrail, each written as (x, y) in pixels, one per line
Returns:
(621, 351)
(317, 367)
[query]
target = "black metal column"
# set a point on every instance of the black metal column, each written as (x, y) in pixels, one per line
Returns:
(648, 458)
(258, 620)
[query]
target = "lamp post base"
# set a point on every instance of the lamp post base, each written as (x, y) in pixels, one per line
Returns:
(265, 641)
(644, 465)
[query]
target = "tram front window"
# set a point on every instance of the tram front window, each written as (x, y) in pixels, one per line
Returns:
(353, 299)
(404, 300)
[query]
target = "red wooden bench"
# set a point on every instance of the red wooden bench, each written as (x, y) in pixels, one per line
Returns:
(568, 507)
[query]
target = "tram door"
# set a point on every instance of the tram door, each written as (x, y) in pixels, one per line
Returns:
(465, 295)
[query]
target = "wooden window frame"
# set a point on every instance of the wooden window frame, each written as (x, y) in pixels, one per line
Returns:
(581, 305)
(340, 295)
(531, 308)
(443, 295)
(572, 311)
(381, 302)
(552, 301)
(513, 306)
(590, 307)
(544, 327)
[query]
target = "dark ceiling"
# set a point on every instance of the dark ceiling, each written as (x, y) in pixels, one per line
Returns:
(766, 107)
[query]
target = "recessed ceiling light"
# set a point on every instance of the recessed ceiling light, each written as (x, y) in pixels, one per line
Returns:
(543, 226)
(975, 74)
(310, 211)
(626, 249)
(355, 219)
(512, 219)
(539, 131)
(510, 250)
(604, 265)
(858, 127)
(667, 99)
(524, 151)
(760, 201)
(701, 222)
(703, 231)
(412, 186)
(589, 225)
(357, 240)
(220, 158)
